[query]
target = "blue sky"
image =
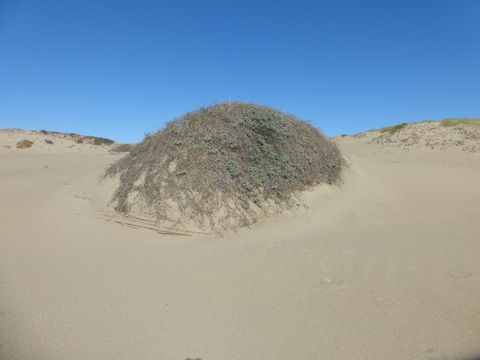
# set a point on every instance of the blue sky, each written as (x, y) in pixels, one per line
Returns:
(119, 69)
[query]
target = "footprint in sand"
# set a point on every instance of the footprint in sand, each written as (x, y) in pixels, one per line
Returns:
(330, 282)
(434, 355)
(463, 276)
(384, 301)
(80, 197)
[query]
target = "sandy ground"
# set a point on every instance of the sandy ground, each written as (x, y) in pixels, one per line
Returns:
(385, 267)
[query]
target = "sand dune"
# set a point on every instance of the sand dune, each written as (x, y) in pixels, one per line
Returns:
(52, 142)
(428, 135)
(384, 267)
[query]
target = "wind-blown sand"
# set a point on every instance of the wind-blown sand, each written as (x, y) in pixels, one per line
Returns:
(385, 267)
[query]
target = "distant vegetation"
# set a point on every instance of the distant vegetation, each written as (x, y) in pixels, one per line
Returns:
(218, 166)
(445, 122)
(463, 121)
(122, 148)
(392, 129)
(80, 139)
(101, 141)
(24, 144)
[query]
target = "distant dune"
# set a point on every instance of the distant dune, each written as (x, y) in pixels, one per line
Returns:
(51, 141)
(450, 134)
(385, 266)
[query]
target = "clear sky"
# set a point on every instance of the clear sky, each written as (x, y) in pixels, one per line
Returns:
(119, 69)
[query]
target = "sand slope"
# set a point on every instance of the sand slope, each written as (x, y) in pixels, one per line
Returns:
(427, 135)
(50, 142)
(386, 267)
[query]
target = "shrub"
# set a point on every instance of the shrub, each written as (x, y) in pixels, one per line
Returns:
(102, 141)
(218, 166)
(50, 142)
(464, 121)
(79, 141)
(123, 148)
(24, 144)
(392, 129)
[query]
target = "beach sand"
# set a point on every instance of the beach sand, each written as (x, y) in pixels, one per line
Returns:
(386, 266)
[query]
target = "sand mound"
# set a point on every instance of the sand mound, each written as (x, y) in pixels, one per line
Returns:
(223, 167)
(449, 134)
